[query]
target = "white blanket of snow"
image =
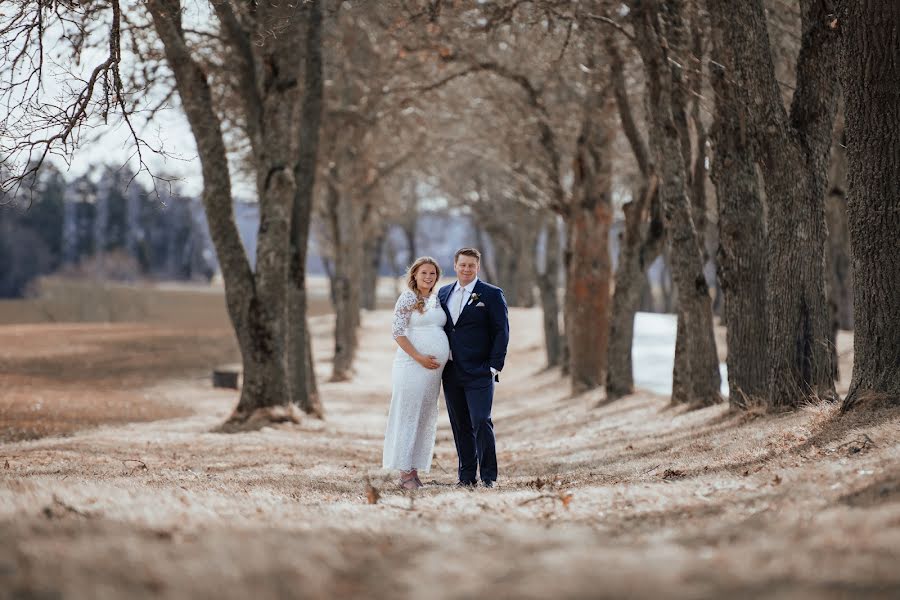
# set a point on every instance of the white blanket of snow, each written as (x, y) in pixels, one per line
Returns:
(653, 353)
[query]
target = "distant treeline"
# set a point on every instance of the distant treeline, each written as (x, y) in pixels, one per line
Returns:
(109, 227)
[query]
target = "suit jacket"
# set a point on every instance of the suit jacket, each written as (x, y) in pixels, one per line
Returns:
(480, 336)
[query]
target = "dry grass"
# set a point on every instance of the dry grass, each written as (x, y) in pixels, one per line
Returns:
(629, 499)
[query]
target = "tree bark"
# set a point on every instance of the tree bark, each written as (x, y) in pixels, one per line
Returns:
(373, 246)
(696, 363)
(301, 370)
(742, 238)
(792, 150)
(590, 267)
(255, 302)
(548, 285)
(638, 249)
(641, 242)
(346, 233)
(870, 69)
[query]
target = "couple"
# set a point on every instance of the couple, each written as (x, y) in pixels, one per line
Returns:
(457, 336)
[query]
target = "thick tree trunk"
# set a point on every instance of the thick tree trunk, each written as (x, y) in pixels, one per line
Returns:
(590, 267)
(697, 354)
(742, 237)
(548, 285)
(800, 354)
(792, 150)
(256, 303)
(870, 72)
(301, 371)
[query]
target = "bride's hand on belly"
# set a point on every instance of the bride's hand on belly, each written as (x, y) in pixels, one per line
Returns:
(428, 361)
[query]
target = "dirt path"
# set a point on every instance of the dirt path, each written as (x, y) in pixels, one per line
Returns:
(632, 499)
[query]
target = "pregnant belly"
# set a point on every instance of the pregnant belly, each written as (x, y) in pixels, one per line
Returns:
(431, 341)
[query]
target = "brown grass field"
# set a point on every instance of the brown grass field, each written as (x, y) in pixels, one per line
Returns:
(113, 484)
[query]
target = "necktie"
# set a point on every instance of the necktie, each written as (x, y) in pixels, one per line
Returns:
(462, 295)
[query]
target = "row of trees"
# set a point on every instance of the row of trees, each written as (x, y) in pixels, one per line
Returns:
(541, 120)
(111, 228)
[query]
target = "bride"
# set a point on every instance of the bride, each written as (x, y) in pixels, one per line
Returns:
(418, 329)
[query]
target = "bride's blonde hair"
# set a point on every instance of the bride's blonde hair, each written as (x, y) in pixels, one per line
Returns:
(411, 278)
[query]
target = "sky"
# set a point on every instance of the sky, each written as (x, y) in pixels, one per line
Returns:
(64, 70)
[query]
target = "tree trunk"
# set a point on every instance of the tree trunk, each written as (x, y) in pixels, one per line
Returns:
(636, 252)
(301, 370)
(639, 246)
(839, 288)
(792, 150)
(742, 237)
(698, 354)
(346, 234)
(256, 303)
(526, 269)
(487, 259)
(548, 285)
(373, 247)
(870, 72)
(590, 267)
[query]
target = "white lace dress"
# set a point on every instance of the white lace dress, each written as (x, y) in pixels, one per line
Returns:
(412, 419)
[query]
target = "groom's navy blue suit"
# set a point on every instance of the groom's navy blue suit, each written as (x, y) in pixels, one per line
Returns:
(478, 341)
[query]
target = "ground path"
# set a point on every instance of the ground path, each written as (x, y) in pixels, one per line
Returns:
(629, 499)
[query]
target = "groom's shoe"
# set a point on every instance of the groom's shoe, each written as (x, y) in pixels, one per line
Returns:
(466, 484)
(489, 484)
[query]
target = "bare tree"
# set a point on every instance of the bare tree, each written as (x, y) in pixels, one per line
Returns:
(641, 242)
(696, 376)
(262, 43)
(258, 98)
(791, 148)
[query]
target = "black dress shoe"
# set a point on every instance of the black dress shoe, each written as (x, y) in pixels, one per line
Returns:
(466, 484)
(488, 484)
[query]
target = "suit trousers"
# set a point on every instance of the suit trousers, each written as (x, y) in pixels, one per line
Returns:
(469, 408)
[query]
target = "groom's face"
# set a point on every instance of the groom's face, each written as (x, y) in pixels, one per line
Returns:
(466, 268)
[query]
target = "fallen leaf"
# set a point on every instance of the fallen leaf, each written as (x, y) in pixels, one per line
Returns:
(372, 493)
(777, 480)
(565, 498)
(672, 474)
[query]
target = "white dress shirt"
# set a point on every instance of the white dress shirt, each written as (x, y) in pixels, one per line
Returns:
(458, 298)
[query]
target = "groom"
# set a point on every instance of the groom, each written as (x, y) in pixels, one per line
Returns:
(478, 330)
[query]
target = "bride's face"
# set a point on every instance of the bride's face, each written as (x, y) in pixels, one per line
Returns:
(426, 276)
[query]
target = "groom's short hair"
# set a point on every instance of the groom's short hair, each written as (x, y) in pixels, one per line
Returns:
(473, 252)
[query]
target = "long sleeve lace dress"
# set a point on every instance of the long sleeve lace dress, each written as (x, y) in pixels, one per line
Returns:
(412, 419)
